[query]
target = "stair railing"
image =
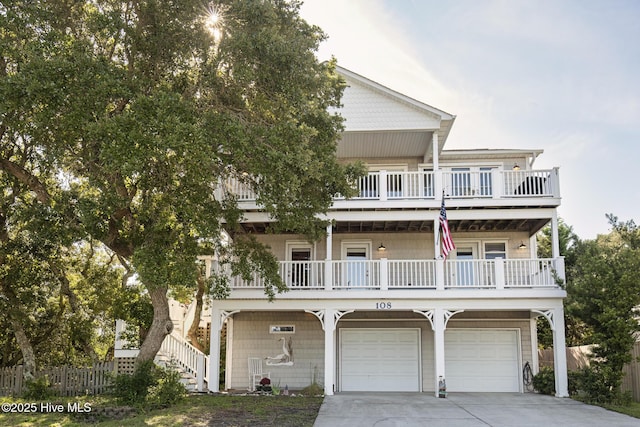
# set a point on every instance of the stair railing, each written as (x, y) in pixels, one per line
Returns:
(187, 357)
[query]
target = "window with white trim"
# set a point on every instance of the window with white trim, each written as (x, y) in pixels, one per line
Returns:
(493, 250)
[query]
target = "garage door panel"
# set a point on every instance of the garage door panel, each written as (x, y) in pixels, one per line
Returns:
(482, 360)
(379, 360)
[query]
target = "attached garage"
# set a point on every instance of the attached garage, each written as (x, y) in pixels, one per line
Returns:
(379, 359)
(482, 360)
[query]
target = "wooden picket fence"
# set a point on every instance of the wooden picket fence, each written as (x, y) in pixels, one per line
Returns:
(64, 380)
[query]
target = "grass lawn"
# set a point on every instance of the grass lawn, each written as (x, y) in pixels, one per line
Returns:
(218, 410)
(632, 409)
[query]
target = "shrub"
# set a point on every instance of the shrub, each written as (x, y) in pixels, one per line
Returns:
(168, 389)
(38, 388)
(149, 386)
(592, 387)
(544, 381)
(132, 389)
(312, 390)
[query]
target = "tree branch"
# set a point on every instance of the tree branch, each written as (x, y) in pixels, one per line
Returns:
(24, 176)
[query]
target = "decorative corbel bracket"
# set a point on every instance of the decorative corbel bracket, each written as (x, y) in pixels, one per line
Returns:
(224, 315)
(548, 314)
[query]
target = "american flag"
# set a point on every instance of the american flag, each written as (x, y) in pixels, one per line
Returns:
(446, 242)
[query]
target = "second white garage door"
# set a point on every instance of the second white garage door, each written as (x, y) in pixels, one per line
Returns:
(380, 359)
(484, 360)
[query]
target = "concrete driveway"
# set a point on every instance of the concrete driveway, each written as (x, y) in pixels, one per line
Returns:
(463, 409)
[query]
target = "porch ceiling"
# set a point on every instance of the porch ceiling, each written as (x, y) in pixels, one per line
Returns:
(530, 225)
(389, 144)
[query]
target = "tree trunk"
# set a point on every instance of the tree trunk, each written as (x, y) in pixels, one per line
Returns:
(192, 334)
(28, 357)
(83, 339)
(160, 327)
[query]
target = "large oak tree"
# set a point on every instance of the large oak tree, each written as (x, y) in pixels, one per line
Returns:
(135, 112)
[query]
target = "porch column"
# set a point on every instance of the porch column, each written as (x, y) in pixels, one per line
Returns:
(555, 239)
(436, 238)
(440, 274)
(436, 160)
(382, 185)
(497, 186)
(439, 325)
(214, 350)
(329, 351)
(328, 270)
(560, 353)
(384, 274)
(499, 273)
(533, 328)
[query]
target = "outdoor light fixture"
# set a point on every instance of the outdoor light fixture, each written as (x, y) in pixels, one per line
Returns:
(522, 246)
(516, 167)
(381, 248)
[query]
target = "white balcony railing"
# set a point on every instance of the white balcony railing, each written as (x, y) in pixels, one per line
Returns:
(387, 274)
(390, 185)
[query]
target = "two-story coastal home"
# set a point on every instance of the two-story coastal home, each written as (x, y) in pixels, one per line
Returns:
(375, 306)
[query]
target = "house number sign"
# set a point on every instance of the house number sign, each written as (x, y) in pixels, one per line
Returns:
(383, 306)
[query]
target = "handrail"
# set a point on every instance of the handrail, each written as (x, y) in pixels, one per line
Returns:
(187, 357)
(384, 274)
(455, 184)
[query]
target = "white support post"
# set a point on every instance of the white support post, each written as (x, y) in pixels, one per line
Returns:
(384, 274)
(328, 264)
(436, 149)
(555, 239)
(439, 260)
(560, 353)
(559, 266)
(438, 345)
(329, 351)
(200, 373)
(383, 185)
(436, 238)
(533, 327)
(438, 184)
(440, 274)
(499, 273)
(497, 186)
(556, 182)
(214, 350)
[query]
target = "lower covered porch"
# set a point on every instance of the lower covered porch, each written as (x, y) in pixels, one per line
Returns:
(384, 345)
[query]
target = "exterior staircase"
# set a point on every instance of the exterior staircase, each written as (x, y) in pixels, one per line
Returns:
(176, 353)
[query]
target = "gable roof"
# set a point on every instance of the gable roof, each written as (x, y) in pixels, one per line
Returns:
(369, 106)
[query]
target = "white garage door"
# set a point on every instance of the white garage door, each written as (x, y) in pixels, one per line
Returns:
(482, 360)
(379, 360)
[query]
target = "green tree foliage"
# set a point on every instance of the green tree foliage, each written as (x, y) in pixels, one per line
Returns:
(55, 289)
(568, 241)
(605, 293)
(134, 113)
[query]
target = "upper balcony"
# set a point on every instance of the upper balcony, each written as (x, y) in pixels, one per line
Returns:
(341, 276)
(425, 189)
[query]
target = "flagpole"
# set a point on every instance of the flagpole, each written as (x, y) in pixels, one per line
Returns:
(446, 242)
(438, 238)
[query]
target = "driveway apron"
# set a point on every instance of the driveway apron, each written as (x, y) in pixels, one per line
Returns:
(463, 410)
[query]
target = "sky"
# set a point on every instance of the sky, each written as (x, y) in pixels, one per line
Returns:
(557, 75)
